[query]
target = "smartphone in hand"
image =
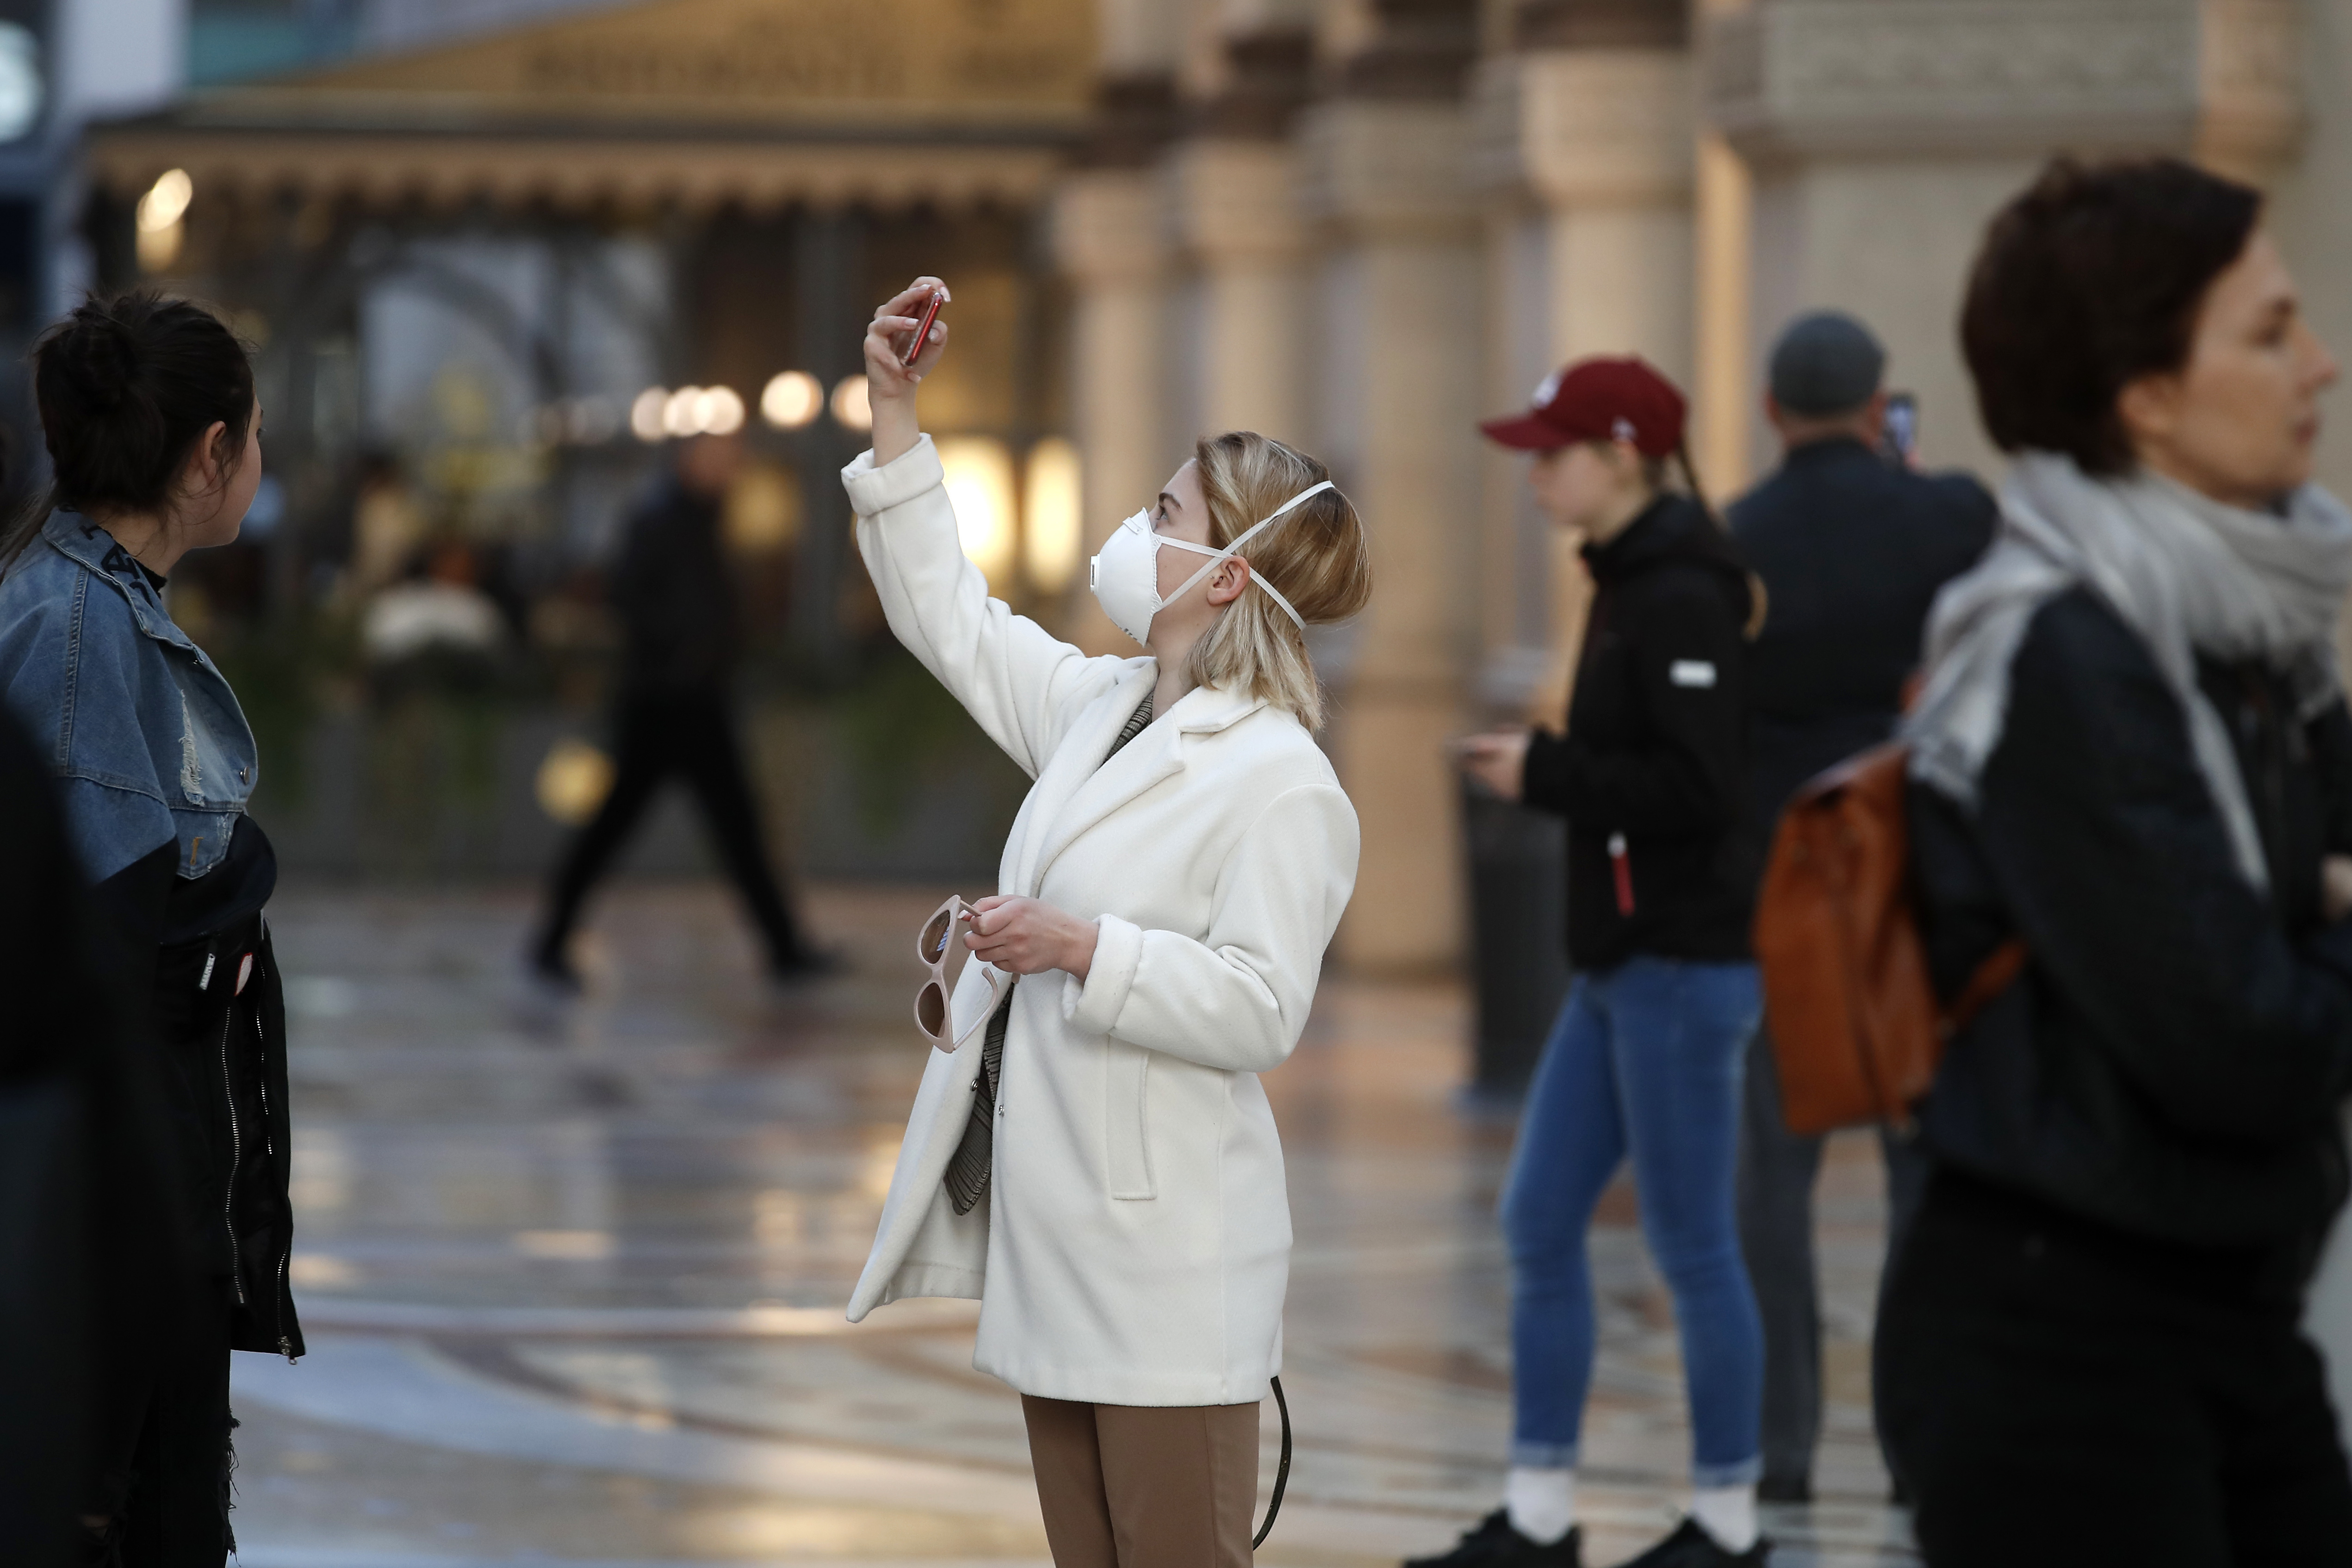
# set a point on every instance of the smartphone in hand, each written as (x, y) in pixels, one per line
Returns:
(923, 328)
(1899, 442)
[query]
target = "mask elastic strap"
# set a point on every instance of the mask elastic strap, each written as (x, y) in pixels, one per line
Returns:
(1247, 535)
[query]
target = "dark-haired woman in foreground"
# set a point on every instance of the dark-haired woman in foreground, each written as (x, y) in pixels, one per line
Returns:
(2133, 754)
(147, 407)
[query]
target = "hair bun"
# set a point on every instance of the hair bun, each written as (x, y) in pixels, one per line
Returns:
(109, 360)
(126, 387)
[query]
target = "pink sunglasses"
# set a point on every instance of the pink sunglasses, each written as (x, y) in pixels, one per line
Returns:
(931, 1002)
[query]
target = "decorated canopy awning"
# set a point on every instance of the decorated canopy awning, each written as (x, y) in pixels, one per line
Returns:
(698, 103)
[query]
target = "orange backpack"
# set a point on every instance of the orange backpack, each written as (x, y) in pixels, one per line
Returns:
(1856, 1028)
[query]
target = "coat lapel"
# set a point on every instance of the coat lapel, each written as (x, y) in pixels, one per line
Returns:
(1067, 771)
(1144, 762)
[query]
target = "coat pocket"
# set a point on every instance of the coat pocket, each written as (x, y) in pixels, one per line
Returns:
(1127, 1122)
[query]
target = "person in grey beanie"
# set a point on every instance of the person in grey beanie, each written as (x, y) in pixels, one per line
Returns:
(1851, 546)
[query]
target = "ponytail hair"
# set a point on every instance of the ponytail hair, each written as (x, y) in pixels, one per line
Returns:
(1682, 474)
(126, 386)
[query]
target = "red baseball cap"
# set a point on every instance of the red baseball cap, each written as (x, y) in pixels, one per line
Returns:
(1599, 400)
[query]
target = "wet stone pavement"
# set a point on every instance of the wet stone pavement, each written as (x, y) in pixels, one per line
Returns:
(572, 1272)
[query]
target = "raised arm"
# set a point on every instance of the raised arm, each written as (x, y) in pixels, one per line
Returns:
(1019, 682)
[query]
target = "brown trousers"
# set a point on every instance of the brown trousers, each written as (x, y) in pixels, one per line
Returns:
(1127, 1486)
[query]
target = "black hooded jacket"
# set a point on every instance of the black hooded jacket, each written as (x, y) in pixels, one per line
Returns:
(1655, 759)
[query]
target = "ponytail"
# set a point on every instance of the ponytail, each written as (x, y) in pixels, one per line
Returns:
(1690, 478)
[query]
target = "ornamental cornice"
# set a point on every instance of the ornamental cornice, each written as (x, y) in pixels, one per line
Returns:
(1586, 126)
(1862, 78)
(1389, 167)
(1269, 78)
(1109, 225)
(1601, 25)
(1236, 200)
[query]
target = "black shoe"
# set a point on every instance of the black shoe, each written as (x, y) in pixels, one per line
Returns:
(1495, 1545)
(1785, 1488)
(1690, 1546)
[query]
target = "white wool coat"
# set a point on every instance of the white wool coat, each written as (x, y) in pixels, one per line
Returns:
(1135, 1245)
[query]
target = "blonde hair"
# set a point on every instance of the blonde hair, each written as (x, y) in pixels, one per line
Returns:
(1316, 557)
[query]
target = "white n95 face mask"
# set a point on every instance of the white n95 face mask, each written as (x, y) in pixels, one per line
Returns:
(1125, 575)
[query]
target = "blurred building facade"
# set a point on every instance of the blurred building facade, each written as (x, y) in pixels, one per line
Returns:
(502, 237)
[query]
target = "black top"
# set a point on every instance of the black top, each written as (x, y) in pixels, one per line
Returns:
(1851, 549)
(1656, 748)
(237, 887)
(2172, 1061)
(675, 599)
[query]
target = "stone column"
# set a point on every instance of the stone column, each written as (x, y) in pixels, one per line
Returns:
(1589, 118)
(1584, 156)
(1234, 190)
(1109, 240)
(1882, 137)
(1400, 393)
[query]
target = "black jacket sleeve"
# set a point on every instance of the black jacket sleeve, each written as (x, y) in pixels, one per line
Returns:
(1682, 776)
(2117, 869)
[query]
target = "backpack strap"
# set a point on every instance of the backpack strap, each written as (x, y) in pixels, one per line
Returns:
(1994, 976)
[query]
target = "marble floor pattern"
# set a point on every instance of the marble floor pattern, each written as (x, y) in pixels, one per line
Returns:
(572, 1272)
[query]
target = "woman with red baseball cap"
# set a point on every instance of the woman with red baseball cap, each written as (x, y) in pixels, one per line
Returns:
(1646, 1059)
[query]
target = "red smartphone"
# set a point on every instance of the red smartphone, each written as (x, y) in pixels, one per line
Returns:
(923, 328)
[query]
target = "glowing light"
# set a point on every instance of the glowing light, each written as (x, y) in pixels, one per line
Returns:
(572, 781)
(980, 484)
(1050, 525)
(677, 414)
(645, 413)
(851, 404)
(159, 219)
(761, 513)
(166, 201)
(792, 399)
(717, 410)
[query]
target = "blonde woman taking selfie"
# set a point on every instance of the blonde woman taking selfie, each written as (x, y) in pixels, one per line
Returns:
(1096, 1161)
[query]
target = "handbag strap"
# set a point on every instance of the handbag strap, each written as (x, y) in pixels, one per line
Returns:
(1281, 1471)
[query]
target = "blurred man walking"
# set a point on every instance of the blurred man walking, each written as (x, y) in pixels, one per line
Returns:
(1851, 546)
(676, 605)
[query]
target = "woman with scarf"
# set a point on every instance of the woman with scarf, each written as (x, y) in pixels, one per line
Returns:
(2132, 753)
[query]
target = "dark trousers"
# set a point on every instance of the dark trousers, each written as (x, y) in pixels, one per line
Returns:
(692, 735)
(2057, 1392)
(1778, 1169)
(165, 1454)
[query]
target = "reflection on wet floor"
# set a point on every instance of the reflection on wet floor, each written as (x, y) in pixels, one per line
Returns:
(572, 1272)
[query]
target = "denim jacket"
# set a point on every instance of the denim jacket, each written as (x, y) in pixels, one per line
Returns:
(146, 739)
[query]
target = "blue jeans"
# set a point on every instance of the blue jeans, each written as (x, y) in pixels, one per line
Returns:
(1646, 1059)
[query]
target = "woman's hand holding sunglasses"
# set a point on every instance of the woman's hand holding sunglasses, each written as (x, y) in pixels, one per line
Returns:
(1025, 936)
